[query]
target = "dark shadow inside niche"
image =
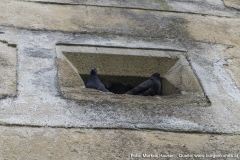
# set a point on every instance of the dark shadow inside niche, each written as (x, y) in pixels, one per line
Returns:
(120, 72)
(122, 84)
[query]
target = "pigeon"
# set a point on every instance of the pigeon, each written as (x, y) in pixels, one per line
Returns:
(150, 87)
(94, 82)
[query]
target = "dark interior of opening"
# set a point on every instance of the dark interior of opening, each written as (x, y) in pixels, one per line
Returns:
(130, 69)
(122, 84)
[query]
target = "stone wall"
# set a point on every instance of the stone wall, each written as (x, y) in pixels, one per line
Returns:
(47, 113)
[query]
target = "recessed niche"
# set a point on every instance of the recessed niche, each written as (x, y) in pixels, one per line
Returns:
(120, 73)
(121, 69)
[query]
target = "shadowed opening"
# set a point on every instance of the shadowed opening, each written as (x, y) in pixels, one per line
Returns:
(121, 69)
(122, 84)
(121, 73)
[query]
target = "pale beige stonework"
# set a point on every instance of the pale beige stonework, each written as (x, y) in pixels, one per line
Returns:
(232, 3)
(71, 144)
(80, 18)
(8, 70)
(234, 69)
(47, 113)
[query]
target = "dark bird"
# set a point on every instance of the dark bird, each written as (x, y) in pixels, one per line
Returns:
(150, 87)
(94, 82)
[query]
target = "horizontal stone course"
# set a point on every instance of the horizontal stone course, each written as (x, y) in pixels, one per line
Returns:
(48, 143)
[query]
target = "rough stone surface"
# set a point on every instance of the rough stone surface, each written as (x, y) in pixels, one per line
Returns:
(209, 7)
(47, 143)
(38, 88)
(8, 70)
(232, 3)
(233, 65)
(41, 122)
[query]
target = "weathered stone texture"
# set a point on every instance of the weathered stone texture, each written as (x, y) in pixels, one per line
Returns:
(121, 21)
(215, 7)
(206, 31)
(232, 3)
(8, 70)
(72, 144)
(233, 66)
(195, 34)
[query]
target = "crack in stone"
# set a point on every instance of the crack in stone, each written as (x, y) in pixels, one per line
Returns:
(127, 7)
